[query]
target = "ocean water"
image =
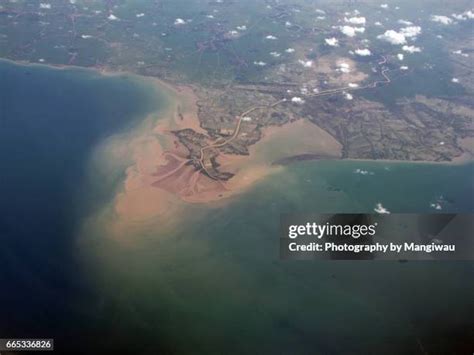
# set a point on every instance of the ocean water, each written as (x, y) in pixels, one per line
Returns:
(50, 122)
(214, 284)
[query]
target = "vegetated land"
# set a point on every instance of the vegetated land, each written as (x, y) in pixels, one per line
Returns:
(266, 64)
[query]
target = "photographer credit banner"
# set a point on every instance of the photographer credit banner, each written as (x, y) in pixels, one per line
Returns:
(400, 237)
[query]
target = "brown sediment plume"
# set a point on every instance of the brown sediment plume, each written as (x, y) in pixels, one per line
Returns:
(161, 180)
(279, 142)
(158, 180)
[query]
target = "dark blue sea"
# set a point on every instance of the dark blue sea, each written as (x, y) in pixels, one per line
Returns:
(50, 121)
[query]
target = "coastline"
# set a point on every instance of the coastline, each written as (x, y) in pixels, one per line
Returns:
(142, 155)
(104, 71)
(465, 158)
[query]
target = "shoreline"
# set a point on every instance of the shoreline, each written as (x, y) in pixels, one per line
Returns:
(141, 154)
(176, 88)
(459, 161)
(105, 71)
(181, 112)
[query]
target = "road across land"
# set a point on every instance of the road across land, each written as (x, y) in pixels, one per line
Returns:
(250, 110)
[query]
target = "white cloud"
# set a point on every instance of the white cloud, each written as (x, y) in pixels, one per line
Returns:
(461, 53)
(306, 63)
(271, 37)
(112, 17)
(297, 100)
(411, 49)
(381, 209)
(405, 22)
(353, 85)
(348, 31)
(411, 31)
(363, 52)
(348, 96)
(260, 63)
(290, 50)
(355, 20)
(86, 36)
(455, 80)
(242, 28)
(140, 15)
(44, 5)
(343, 67)
(393, 37)
(384, 6)
(400, 37)
(400, 56)
(445, 20)
(403, 67)
(351, 31)
(363, 172)
(466, 15)
(378, 23)
(275, 54)
(179, 21)
(333, 42)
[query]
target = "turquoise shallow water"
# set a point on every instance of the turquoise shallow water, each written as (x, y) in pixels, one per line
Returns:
(215, 283)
